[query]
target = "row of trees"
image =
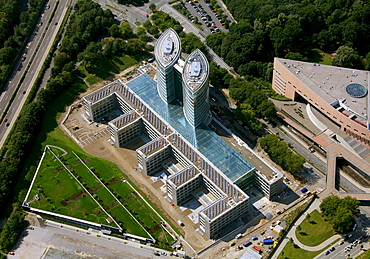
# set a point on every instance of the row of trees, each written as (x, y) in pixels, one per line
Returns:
(11, 157)
(28, 126)
(13, 228)
(281, 154)
(340, 212)
(292, 29)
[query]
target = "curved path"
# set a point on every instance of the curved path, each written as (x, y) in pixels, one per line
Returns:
(314, 206)
(291, 234)
(61, 149)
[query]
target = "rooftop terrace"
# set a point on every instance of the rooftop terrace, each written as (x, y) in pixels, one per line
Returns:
(195, 70)
(168, 48)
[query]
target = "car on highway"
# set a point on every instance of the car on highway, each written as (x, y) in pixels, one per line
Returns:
(5, 120)
(157, 254)
(163, 253)
(332, 249)
(7, 124)
(24, 92)
(326, 253)
(56, 23)
(11, 253)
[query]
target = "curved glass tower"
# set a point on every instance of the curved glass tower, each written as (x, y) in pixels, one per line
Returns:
(167, 52)
(195, 85)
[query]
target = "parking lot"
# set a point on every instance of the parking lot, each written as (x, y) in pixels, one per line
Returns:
(208, 17)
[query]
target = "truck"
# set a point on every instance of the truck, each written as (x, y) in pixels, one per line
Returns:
(247, 243)
(268, 241)
(257, 248)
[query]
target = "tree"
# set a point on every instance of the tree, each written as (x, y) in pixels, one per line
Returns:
(152, 7)
(115, 31)
(126, 30)
(267, 110)
(329, 205)
(347, 57)
(12, 228)
(340, 212)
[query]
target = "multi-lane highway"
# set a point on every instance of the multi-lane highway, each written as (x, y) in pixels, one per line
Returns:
(33, 57)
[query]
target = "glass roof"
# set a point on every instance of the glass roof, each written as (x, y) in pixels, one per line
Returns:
(226, 159)
(356, 90)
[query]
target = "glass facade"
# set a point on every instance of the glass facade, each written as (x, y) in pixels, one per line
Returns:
(230, 162)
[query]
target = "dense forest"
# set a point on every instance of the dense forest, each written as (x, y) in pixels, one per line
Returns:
(293, 29)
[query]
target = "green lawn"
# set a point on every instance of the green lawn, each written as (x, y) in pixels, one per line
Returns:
(318, 56)
(314, 230)
(292, 251)
(364, 255)
(109, 67)
(56, 186)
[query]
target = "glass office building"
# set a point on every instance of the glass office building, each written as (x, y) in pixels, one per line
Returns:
(167, 52)
(196, 88)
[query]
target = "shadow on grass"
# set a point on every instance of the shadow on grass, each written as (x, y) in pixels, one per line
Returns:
(303, 233)
(110, 66)
(315, 56)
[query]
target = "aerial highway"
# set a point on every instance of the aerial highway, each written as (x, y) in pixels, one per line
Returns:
(33, 56)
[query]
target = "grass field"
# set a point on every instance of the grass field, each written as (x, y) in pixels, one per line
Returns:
(318, 56)
(109, 67)
(364, 255)
(292, 251)
(56, 184)
(59, 192)
(314, 230)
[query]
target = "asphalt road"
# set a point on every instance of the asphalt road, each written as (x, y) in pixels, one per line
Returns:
(35, 57)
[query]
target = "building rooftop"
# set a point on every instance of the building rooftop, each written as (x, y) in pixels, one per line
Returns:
(168, 48)
(103, 92)
(345, 89)
(124, 119)
(227, 160)
(196, 69)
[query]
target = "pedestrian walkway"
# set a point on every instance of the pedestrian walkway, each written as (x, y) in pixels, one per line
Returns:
(314, 206)
(292, 231)
(335, 147)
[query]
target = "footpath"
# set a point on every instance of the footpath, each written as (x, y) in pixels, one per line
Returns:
(291, 234)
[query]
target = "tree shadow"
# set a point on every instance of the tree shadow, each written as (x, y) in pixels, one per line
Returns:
(315, 56)
(312, 222)
(303, 233)
(296, 246)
